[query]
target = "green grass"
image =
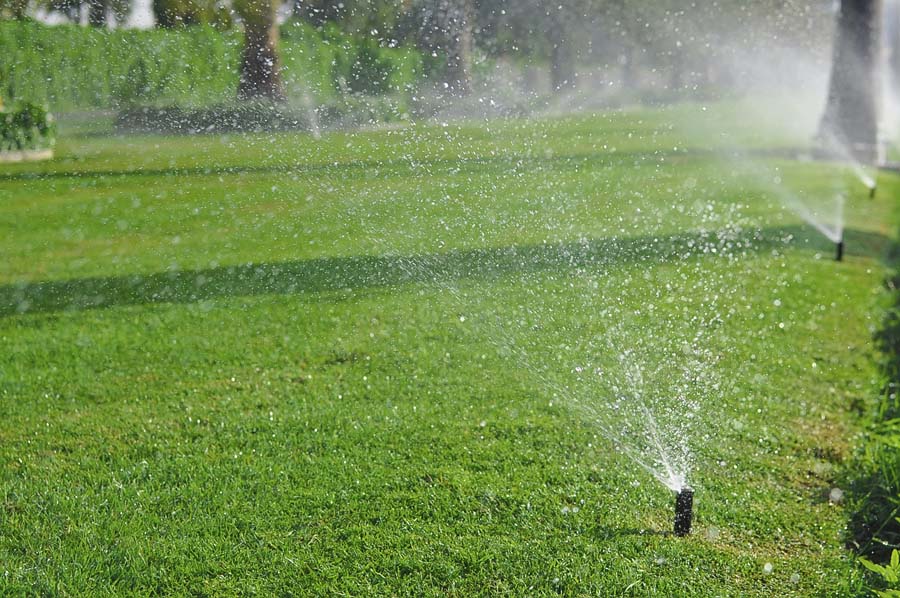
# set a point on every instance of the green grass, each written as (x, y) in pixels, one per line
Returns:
(268, 364)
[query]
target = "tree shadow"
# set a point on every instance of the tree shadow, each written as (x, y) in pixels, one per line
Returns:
(360, 273)
(874, 479)
(361, 169)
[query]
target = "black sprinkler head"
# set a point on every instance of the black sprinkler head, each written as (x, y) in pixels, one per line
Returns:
(684, 511)
(872, 191)
(839, 251)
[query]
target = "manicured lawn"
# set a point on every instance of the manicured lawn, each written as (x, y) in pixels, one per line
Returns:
(391, 362)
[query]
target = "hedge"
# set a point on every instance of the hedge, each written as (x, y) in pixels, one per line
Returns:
(76, 68)
(26, 126)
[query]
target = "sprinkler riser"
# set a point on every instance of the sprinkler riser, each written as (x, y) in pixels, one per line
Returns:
(872, 191)
(684, 512)
(839, 251)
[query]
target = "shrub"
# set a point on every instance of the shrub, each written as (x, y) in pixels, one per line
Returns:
(26, 126)
(327, 63)
(75, 68)
(71, 67)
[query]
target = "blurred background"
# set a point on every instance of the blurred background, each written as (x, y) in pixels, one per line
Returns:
(353, 63)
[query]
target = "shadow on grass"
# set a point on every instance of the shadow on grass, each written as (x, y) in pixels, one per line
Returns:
(379, 168)
(875, 478)
(351, 274)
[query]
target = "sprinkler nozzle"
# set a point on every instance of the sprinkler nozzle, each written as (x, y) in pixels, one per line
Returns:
(684, 511)
(839, 251)
(872, 191)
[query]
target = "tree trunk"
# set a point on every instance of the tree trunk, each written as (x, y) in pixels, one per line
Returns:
(97, 13)
(458, 27)
(562, 58)
(676, 80)
(626, 61)
(892, 43)
(260, 69)
(851, 113)
(19, 9)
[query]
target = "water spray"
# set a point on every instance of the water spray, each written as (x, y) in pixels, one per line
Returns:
(684, 511)
(839, 251)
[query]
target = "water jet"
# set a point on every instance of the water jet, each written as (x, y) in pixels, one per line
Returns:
(684, 511)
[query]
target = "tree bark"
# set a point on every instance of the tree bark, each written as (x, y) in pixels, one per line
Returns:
(260, 76)
(457, 24)
(97, 13)
(892, 43)
(851, 112)
(629, 69)
(562, 58)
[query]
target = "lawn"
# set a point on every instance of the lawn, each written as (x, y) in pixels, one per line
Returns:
(400, 362)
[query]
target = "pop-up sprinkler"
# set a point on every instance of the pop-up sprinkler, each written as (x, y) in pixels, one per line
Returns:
(872, 191)
(839, 251)
(684, 511)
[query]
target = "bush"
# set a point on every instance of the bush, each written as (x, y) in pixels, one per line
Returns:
(71, 67)
(328, 63)
(75, 68)
(26, 127)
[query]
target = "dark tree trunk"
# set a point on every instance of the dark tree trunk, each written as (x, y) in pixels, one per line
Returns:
(892, 43)
(19, 9)
(457, 25)
(676, 82)
(73, 12)
(629, 74)
(97, 13)
(851, 113)
(315, 12)
(562, 58)
(165, 18)
(260, 69)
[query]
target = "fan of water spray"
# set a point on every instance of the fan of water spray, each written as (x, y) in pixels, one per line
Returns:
(834, 147)
(643, 382)
(824, 213)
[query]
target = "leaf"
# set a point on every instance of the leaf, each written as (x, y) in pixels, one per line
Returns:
(872, 566)
(895, 559)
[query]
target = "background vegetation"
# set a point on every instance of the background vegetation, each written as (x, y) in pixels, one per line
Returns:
(25, 126)
(77, 68)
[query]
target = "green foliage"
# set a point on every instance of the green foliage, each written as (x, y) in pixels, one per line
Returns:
(13, 9)
(890, 573)
(875, 525)
(327, 62)
(172, 14)
(26, 126)
(73, 68)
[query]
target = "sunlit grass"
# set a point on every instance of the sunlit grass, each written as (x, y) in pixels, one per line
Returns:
(278, 364)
